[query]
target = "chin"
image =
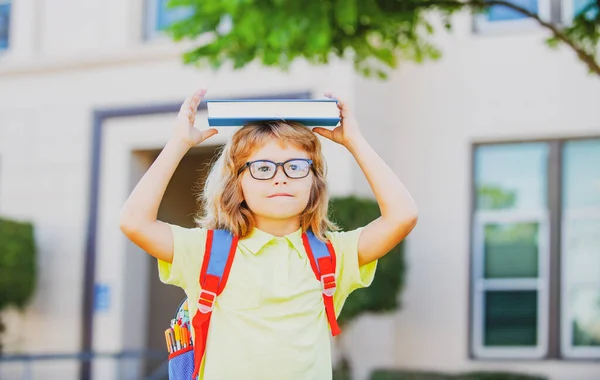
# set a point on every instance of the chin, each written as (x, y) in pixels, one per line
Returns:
(281, 212)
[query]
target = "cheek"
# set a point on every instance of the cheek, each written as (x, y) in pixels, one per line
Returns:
(308, 190)
(249, 188)
(303, 191)
(253, 191)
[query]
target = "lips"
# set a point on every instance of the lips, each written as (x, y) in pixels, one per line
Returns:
(279, 195)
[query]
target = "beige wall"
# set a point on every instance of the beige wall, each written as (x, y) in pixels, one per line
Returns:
(62, 68)
(49, 88)
(45, 149)
(498, 87)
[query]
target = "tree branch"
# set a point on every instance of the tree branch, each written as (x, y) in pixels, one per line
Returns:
(583, 55)
(587, 58)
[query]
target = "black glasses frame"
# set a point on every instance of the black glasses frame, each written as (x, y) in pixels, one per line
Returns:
(277, 164)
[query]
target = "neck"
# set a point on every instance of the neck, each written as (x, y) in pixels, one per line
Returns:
(277, 227)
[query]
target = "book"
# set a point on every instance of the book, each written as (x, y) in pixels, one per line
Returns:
(310, 112)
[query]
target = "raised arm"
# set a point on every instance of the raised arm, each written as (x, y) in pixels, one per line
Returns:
(138, 215)
(398, 209)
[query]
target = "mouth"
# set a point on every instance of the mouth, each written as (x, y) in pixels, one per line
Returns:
(280, 195)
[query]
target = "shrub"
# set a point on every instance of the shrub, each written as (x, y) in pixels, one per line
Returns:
(383, 294)
(480, 375)
(17, 264)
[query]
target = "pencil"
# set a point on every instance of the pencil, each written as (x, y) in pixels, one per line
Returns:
(168, 339)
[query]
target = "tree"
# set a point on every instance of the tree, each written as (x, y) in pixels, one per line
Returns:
(376, 33)
(17, 264)
(384, 293)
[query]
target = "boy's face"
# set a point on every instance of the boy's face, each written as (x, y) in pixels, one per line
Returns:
(281, 197)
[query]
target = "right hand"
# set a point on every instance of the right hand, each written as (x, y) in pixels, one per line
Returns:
(184, 126)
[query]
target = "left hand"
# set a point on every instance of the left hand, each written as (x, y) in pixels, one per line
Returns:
(347, 133)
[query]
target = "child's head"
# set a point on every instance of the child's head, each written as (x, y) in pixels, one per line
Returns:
(243, 185)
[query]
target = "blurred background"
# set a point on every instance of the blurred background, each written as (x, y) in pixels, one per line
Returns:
(489, 112)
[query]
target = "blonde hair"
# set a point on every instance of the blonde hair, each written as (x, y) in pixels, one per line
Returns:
(222, 200)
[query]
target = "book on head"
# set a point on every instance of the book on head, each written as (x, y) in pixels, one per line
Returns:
(310, 112)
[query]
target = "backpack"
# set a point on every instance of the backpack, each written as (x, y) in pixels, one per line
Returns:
(185, 356)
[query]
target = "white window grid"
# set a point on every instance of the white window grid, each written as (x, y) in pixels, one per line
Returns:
(567, 348)
(480, 285)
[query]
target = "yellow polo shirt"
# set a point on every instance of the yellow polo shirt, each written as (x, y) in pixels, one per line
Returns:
(270, 321)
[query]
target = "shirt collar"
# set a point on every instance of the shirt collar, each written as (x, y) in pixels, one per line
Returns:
(259, 238)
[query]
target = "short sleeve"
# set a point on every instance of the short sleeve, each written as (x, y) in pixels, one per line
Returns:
(349, 275)
(188, 252)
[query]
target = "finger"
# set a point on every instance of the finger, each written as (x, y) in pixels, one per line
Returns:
(340, 103)
(197, 97)
(186, 102)
(332, 96)
(323, 132)
(342, 106)
(209, 133)
(201, 92)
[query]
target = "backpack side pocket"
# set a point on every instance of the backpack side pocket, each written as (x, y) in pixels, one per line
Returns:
(181, 364)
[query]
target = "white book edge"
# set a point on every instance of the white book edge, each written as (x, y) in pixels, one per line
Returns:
(272, 109)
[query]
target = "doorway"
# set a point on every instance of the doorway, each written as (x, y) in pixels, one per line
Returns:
(179, 206)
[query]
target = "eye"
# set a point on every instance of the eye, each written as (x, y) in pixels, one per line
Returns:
(298, 165)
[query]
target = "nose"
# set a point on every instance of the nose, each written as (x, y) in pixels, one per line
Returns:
(280, 176)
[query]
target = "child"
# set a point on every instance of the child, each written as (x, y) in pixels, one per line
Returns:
(269, 322)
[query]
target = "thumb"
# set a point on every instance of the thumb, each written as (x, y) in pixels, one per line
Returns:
(209, 133)
(323, 132)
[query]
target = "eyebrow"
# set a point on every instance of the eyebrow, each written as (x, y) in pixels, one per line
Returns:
(284, 160)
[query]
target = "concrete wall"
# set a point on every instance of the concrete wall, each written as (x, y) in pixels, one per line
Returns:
(60, 71)
(423, 121)
(503, 87)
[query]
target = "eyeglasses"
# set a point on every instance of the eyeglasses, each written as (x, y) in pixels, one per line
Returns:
(295, 168)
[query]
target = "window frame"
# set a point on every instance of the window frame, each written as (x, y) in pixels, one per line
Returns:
(566, 331)
(10, 23)
(150, 31)
(480, 284)
(482, 26)
(557, 336)
(566, 12)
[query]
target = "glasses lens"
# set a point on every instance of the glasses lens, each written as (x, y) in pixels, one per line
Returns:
(297, 168)
(262, 169)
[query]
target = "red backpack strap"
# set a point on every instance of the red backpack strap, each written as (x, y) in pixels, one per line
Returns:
(218, 257)
(322, 260)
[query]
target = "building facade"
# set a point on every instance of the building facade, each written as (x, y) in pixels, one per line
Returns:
(499, 143)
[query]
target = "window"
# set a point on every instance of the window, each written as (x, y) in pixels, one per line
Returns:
(501, 18)
(580, 253)
(510, 236)
(159, 16)
(517, 190)
(4, 24)
(572, 8)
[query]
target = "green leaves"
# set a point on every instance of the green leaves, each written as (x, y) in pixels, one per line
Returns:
(277, 32)
(377, 33)
(17, 263)
(584, 36)
(383, 294)
(346, 15)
